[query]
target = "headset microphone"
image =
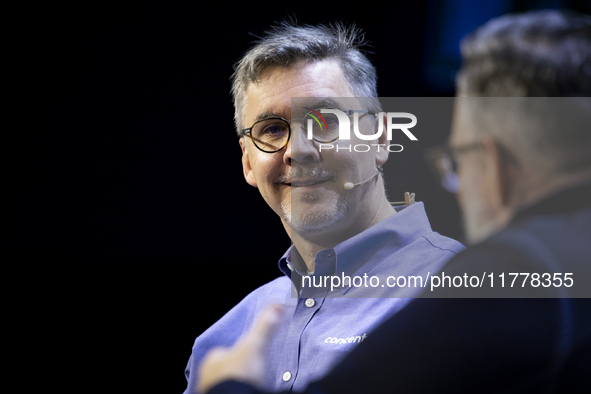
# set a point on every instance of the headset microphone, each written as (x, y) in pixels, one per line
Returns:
(351, 185)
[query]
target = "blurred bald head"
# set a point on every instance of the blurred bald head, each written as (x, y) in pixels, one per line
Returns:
(525, 84)
(536, 54)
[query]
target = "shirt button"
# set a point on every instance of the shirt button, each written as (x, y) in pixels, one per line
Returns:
(310, 302)
(286, 376)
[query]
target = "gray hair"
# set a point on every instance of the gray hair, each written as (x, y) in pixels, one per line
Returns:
(535, 54)
(287, 43)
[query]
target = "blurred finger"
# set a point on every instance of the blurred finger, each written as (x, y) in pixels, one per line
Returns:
(264, 326)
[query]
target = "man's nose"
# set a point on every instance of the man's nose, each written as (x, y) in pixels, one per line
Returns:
(300, 149)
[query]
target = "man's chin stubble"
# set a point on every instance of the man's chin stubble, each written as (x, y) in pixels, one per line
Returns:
(308, 221)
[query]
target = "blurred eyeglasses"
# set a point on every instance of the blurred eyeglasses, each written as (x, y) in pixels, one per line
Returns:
(443, 161)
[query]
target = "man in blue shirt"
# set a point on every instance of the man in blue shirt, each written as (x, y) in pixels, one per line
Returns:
(332, 204)
(524, 174)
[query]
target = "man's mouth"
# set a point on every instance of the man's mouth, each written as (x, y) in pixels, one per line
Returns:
(305, 177)
(308, 182)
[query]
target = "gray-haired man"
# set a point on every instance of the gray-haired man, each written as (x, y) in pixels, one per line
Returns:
(335, 230)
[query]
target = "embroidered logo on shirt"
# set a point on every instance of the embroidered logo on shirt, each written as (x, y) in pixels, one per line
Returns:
(341, 341)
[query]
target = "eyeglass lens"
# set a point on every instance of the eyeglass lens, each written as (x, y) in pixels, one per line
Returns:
(446, 168)
(271, 135)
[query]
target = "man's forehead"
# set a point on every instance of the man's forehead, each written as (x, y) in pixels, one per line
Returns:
(317, 84)
(301, 106)
(299, 103)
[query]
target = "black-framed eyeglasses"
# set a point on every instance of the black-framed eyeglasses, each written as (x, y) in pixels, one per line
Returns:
(443, 161)
(272, 134)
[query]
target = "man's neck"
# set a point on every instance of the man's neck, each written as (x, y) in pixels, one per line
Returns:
(308, 244)
(546, 186)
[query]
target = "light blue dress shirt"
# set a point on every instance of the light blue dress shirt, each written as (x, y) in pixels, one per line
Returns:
(321, 328)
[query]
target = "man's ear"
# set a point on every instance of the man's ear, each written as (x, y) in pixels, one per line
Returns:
(500, 172)
(382, 152)
(246, 168)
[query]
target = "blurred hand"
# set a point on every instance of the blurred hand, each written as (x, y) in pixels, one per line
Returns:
(245, 360)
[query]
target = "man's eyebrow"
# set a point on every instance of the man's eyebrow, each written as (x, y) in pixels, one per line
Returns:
(267, 115)
(326, 103)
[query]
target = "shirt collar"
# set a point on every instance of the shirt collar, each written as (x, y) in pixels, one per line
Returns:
(368, 248)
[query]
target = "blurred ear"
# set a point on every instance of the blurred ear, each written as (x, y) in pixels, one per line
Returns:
(246, 168)
(499, 173)
(383, 152)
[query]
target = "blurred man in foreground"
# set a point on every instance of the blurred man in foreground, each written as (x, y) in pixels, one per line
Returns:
(524, 175)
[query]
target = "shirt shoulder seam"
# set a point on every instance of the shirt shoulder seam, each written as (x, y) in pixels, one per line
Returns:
(436, 246)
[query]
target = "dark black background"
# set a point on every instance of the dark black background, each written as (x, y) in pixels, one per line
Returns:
(133, 229)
